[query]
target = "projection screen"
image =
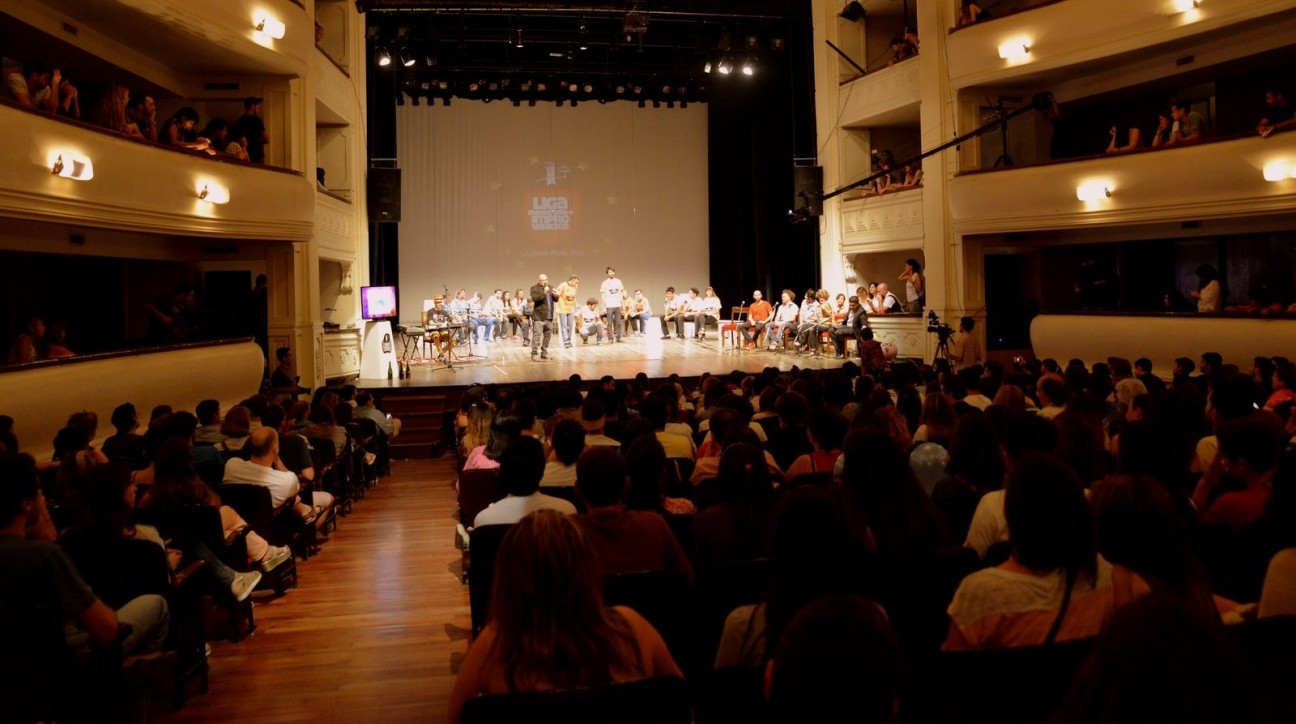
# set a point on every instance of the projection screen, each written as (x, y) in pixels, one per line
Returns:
(493, 195)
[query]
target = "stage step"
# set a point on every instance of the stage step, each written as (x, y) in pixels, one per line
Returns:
(425, 417)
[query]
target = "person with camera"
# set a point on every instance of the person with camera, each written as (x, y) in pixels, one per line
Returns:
(38, 86)
(966, 348)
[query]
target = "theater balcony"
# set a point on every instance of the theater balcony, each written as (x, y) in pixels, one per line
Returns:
(882, 223)
(1069, 33)
(1227, 178)
(886, 97)
(238, 35)
(74, 173)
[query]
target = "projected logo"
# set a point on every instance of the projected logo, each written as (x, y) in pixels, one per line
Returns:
(550, 210)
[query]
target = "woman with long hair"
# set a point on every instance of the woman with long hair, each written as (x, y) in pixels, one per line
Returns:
(176, 482)
(111, 111)
(811, 556)
(236, 426)
(734, 527)
(477, 426)
(1139, 528)
(504, 429)
(976, 466)
(549, 627)
(937, 421)
(1054, 585)
(890, 513)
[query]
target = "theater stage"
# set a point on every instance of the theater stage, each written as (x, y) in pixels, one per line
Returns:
(508, 361)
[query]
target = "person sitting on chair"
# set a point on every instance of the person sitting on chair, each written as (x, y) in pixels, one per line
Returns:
(849, 327)
(710, 311)
(519, 316)
(671, 309)
(549, 627)
(690, 310)
(758, 317)
(266, 469)
(785, 317)
(640, 312)
(441, 324)
(521, 468)
(591, 322)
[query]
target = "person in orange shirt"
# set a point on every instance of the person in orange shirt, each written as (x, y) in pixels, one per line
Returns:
(758, 317)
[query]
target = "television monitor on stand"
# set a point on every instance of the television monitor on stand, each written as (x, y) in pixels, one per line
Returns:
(378, 302)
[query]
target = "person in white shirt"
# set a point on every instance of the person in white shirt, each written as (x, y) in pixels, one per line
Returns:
(521, 467)
(710, 311)
(493, 316)
(591, 322)
(614, 294)
(672, 308)
(690, 311)
(594, 418)
(265, 468)
(568, 440)
(886, 302)
(785, 318)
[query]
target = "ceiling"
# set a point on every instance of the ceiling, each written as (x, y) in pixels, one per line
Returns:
(654, 50)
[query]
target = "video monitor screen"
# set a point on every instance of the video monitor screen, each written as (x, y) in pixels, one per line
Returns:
(378, 302)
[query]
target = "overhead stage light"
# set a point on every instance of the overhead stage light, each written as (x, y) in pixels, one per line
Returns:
(726, 66)
(747, 67)
(382, 57)
(405, 58)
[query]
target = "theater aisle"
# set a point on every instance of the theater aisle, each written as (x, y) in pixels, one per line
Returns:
(376, 628)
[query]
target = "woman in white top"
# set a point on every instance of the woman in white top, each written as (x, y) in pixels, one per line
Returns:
(912, 277)
(1207, 293)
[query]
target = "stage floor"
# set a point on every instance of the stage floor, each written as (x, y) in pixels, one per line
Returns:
(509, 361)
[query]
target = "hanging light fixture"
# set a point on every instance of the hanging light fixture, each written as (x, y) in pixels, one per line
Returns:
(382, 57)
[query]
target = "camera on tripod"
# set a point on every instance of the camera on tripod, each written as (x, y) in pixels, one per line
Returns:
(936, 327)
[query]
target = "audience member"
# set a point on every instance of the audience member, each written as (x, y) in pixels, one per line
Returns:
(126, 447)
(253, 130)
(624, 540)
(111, 112)
(549, 627)
(520, 469)
(180, 131)
(142, 111)
(1248, 453)
(1189, 126)
(734, 527)
(504, 430)
(40, 87)
(837, 662)
(646, 468)
(265, 468)
(366, 409)
(1280, 115)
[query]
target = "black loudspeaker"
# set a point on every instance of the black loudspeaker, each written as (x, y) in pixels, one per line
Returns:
(384, 194)
(808, 193)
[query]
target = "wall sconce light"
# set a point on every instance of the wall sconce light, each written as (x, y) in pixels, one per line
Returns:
(72, 165)
(270, 27)
(1183, 6)
(1093, 191)
(214, 193)
(1014, 51)
(1279, 170)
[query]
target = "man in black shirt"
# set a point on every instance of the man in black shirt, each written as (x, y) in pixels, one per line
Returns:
(253, 128)
(282, 380)
(542, 298)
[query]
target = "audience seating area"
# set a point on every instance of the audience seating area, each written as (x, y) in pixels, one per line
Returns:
(907, 552)
(183, 527)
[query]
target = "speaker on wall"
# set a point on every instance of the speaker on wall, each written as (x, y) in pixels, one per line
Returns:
(808, 190)
(384, 194)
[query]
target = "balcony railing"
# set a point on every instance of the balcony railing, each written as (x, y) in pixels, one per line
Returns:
(136, 185)
(881, 223)
(887, 97)
(1226, 178)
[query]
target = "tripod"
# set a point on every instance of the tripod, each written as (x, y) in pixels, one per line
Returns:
(942, 349)
(1004, 159)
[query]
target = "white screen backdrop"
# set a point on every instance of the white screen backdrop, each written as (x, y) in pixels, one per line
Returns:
(494, 194)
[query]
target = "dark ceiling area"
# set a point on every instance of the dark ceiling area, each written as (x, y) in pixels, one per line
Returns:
(663, 52)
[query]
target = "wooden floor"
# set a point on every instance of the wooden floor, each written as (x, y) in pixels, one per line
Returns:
(508, 360)
(374, 632)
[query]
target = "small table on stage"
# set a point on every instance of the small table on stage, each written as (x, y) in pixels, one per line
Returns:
(411, 335)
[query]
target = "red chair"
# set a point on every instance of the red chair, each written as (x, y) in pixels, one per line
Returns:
(732, 329)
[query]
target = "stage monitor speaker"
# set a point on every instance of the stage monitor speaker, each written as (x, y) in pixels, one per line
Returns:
(384, 194)
(808, 192)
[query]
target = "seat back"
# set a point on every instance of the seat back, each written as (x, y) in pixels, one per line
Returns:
(732, 695)
(119, 570)
(564, 492)
(736, 314)
(681, 524)
(662, 597)
(253, 504)
(484, 545)
(647, 701)
(186, 525)
(718, 590)
(1270, 645)
(819, 479)
(957, 683)
(477, 490)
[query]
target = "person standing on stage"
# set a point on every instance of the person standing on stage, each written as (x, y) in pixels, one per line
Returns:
(567, 294)
(614, 295)
(785, 318)
(758, 316)
(671, 308)
(640, 312)
(542, 298)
